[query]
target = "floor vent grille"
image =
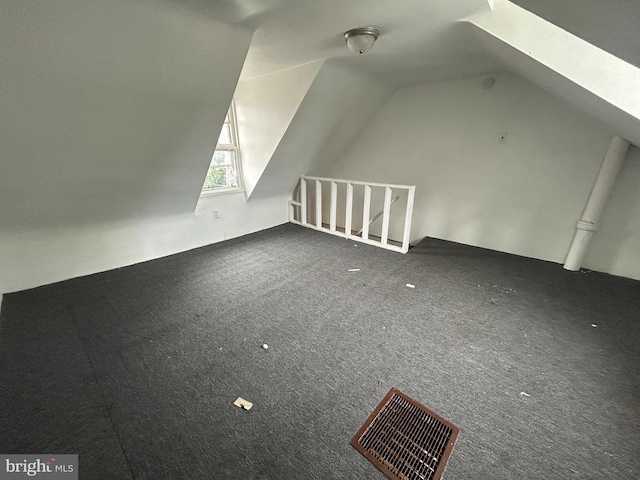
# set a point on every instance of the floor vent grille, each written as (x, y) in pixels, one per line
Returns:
(406, 440)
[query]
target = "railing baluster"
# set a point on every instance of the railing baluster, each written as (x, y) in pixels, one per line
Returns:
(334, 205)
(407, 220)
(348, 219)
(349, 210)
(318, 204)
(385, 216)
(303, 201)
(366, 212)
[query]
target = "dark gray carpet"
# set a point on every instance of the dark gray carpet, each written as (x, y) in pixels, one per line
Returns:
(136, 369)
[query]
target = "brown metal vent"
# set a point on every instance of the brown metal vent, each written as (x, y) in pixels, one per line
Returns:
(406, 440)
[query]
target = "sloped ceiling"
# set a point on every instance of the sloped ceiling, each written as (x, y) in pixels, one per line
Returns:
(611, 25)
(337, 107)
(419, 40)
(265, 107)
(110, 108)
(601, 84)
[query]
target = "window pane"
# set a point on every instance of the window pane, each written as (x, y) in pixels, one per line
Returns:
(225, 135)
(232, 178)
(216, 178)
(223, 170)
(222, 157)
(220, 177)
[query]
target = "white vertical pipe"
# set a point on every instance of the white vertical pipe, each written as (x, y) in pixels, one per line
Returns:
(386, 209)
(334, 206)
(366, 212)
(303, 201)
(407, 219)
(606, 178)
(588, 224)
(318, 203)
(349, 210)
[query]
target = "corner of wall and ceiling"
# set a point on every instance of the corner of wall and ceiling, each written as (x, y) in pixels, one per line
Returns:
(567, 66)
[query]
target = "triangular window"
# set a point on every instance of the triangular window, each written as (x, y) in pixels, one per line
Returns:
(224, 170)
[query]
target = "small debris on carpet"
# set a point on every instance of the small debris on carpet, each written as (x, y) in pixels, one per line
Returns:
(265, 346)
(353, 270)
(594, 325)
(242, 403)
(410, 285)
(525, 394)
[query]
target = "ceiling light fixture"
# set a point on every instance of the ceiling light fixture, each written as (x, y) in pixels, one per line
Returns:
(360, 40)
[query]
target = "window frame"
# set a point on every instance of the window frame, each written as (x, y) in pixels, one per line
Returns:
(234, 150)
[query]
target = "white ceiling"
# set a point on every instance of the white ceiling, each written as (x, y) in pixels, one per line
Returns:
(420, 40)
(423, 40)
(612, 25)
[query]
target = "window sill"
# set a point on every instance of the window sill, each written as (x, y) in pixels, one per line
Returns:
(221, 191)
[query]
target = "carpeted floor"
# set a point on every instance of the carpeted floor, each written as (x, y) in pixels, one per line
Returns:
(136, 369)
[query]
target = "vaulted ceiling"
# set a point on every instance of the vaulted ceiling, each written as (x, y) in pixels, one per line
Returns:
(419, 40)
(612, 25)
(111, 108)
(425, 41)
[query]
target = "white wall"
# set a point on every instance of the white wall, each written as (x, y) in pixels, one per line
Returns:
(523, 196)
(111, 110)
(265, 107)
(337, 107)
(33, 257)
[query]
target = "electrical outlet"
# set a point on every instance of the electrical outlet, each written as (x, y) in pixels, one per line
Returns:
(216, 213)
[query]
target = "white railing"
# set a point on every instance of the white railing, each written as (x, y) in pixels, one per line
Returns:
(348, 196)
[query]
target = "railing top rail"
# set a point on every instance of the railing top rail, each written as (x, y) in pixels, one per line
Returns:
(354, 182)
